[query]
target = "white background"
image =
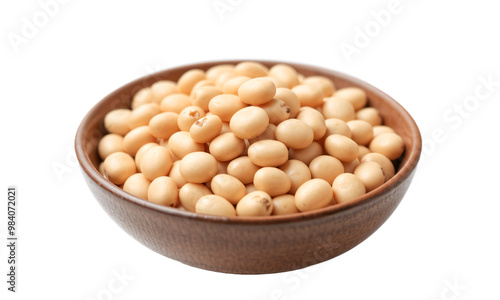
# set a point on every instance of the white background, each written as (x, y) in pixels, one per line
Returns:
(431, 56)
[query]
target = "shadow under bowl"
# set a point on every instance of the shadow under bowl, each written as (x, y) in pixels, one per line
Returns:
(246, 245)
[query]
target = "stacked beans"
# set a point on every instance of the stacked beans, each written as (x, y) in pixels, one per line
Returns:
(247, 140)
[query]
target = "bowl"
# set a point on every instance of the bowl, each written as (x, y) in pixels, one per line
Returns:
(246, 245)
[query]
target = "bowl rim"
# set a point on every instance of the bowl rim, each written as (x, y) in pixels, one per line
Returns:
(405, 170)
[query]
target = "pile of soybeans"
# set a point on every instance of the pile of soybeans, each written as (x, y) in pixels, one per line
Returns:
(248, 140)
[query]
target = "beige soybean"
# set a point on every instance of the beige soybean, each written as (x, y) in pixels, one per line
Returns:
(143, 96)
(284, 205)
(137, 185)
(371, 174)
(361, 131)
(308, 95)
(301, 77)
(163, 125)
(249, 122)
(110, 143)
(206, 129)
(356, 96)
(379, 129)
(391, 145)
(383, 161)
(176, 176)
(351, 166)
(243, 169)
(214, 72)
(200, 84)
(294, 133)
(142, 114)
(251, 69)
(250, 188)
(202, 96)
(337, 126)
(188, 116)
(215, 205)
(313, 194)
(341, 147)
(118, 167)
(278, 83)
(187, 81)
(117, 120)
(223, 78)
(370, 115)
(163, 191)
(277, 110)
(268, 153)
(255, 204)
(272, 181)
(290, 98)
(175, 103)
(190, 193)
(321, 82)
(337, 107)
(226, 147)
(326, 167)
(140, 153)
(232, 85)
(363, 150)
(164, 143)
(228, 187)
(298, 172)
(162, 89)
(347, 187)
(156, 162)
(307, 154)
(136, 138)
(100, 168)
(268, 134)
(181, 144)
(257, 91)
(198, 167)
(285, 74)
(225, 106)
(314, 119)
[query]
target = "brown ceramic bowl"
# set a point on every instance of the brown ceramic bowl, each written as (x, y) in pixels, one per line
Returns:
(241, 244)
